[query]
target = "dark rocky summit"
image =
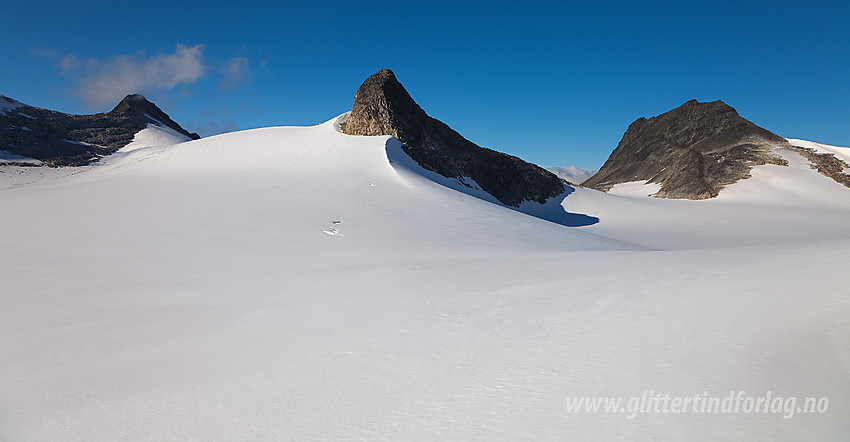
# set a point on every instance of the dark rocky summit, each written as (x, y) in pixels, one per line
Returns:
(383, 107)
(693, 151)
(59, 139)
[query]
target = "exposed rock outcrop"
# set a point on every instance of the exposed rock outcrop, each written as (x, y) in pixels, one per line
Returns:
(383, 107)
(826, 164)
(693, 151)
(59, 139)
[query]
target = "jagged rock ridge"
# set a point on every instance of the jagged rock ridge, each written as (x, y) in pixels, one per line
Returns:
(383, 107)
(693, 151)
(59, 139)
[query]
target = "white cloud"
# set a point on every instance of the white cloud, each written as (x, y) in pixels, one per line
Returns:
(107, 81)
(236, 71)
(571, 173)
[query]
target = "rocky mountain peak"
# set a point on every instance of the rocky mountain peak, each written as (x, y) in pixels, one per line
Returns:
(693, 151)
(133, 101)
(382, 106)
(138, 107)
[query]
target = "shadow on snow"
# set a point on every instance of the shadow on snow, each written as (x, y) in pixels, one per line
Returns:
(552, 210)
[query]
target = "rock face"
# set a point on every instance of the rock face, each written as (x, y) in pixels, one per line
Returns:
(693, 151)
(383, 107)
(59, 139)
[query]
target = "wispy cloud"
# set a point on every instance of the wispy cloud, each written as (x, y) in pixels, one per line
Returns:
(68, 63)
(210, 127)
(102, 82)
(213, 121)
(235, 72)
(45, 52)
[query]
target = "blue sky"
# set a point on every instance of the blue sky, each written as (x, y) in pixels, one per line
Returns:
(555, 83)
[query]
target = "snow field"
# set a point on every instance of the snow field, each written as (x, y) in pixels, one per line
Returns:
(192, 292)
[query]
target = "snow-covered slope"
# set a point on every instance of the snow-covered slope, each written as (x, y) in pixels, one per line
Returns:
(9, 104)
(12, 175)
(154, 135)
(778, 204)
(296, 283)
(840, 152)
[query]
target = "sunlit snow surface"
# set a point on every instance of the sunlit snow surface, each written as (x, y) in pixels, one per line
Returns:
(193, 292)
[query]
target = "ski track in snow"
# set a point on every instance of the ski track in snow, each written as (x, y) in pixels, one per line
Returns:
(183, 291)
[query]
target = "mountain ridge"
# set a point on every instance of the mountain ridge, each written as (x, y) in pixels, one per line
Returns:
(59, 139)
